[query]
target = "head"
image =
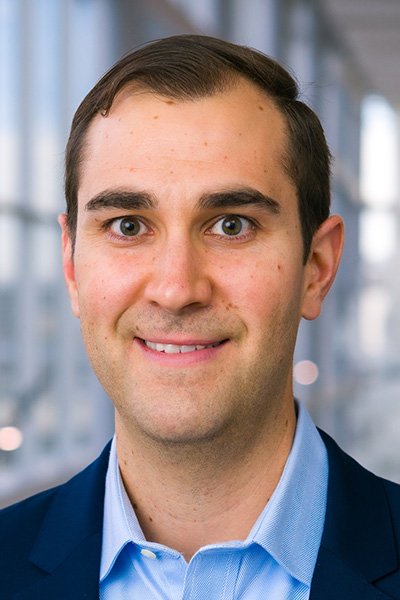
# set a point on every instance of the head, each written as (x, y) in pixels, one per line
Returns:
(196, 239)
(189, 67)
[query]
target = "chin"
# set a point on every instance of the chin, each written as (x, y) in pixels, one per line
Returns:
(188, 436)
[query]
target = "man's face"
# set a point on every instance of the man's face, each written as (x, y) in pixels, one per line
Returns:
(187, 274)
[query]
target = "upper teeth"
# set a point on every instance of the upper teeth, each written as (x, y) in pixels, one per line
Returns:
(174, 349)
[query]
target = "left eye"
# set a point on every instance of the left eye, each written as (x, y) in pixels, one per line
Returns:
(231, 225)
(128, 227)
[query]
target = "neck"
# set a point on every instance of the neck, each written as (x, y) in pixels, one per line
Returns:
(190, 495)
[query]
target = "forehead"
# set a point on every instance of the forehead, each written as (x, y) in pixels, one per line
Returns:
(232, 138)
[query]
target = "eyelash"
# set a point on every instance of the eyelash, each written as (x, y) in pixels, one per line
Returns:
(120, 237)
(250, 225)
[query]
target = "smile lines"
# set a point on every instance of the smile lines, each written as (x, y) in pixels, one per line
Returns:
(175, 349)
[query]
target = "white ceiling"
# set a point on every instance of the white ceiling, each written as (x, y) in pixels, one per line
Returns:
(371, 32)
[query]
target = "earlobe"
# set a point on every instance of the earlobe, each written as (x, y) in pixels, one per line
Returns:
(322, 265)
(68, 264)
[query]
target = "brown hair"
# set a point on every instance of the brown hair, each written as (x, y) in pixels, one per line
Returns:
(186, 67)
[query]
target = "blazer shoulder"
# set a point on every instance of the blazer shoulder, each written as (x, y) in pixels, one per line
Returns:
(362, 528)
(339, 460)
(21, 521)
(46, 523)
(393, 491)
(20, 525)
(25, 513)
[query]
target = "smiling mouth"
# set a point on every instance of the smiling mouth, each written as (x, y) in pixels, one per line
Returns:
(175, 349)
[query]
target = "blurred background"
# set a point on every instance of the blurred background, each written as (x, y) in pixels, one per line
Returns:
(54, 417)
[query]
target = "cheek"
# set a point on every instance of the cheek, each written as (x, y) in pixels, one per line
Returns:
(264, 292)
(106, 287)
(255, 284)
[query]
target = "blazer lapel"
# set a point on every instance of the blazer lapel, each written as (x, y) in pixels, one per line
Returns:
(358, 545)
(68, 547)
(76, 578)
(334, 579)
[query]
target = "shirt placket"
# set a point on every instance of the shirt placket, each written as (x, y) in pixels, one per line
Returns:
(212, 574)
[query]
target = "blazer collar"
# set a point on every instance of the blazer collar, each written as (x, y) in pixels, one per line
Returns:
(75, 520)
(358, 545)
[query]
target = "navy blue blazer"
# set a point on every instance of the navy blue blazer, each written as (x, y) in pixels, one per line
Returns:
(50, 544)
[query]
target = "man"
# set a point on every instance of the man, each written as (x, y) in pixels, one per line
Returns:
(197, 235)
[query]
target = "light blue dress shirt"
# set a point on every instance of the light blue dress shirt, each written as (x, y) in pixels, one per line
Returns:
(276, 561)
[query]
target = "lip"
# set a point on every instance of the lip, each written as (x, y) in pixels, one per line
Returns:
(182, 341)
(181, 358)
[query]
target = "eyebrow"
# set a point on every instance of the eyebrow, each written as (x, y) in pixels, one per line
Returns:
(131, 200)
(239, 197)
(126, 200)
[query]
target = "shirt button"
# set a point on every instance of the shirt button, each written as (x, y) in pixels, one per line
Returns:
(148, 554)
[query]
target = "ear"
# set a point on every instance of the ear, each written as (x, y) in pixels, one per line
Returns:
(68, 264)
(322, 265)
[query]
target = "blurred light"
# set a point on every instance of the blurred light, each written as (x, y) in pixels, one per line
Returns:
(374, 310)
(305, 372)
(378, 235)
(10, 438)
(379, 152)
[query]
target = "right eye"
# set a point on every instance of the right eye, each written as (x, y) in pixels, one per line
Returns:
(128, 227)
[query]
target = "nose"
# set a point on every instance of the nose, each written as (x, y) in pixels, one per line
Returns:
(179, 278)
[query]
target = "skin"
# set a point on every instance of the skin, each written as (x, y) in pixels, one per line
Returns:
(186, 422)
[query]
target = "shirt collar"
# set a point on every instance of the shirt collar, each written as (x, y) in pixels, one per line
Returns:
(120, 524)
(289, 528)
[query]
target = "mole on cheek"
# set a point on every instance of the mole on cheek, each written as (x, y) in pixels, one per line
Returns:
(230, 305)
